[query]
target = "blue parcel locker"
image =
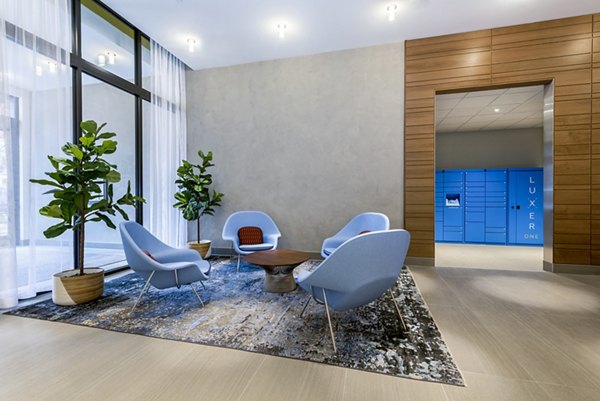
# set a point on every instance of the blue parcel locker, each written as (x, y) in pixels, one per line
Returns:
(496, 181)
(475, 206)
(453, 201)
(439, 206)
(526, 213)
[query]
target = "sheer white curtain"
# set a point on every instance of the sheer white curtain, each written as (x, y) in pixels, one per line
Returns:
(35, 99)
(164, 146)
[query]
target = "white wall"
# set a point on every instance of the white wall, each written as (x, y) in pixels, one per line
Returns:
(311, 140)
(490, 149)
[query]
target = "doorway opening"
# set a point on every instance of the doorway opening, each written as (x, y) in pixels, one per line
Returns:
(490, 178)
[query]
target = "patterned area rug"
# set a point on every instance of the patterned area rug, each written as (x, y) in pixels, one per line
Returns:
(240, 315)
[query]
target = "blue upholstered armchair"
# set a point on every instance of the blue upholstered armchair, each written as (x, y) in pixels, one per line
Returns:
(159, 264)
(251, 218)
(362, 222)
(358, 272)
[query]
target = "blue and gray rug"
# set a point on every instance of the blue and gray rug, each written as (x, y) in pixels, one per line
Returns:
(240, 315)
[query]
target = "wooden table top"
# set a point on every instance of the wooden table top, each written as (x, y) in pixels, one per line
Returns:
(277, 257)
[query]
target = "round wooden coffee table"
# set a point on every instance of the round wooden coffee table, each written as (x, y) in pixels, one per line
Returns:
(278, 265)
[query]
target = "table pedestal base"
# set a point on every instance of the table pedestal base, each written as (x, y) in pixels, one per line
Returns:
(279, 279)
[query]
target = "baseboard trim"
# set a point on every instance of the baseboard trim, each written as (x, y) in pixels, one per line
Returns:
(230, 252)
(571, 269)
(411, 260)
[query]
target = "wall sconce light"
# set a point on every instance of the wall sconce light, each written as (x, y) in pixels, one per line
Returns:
(38, 70)
(391, 10)
(111, 57)
(52, 66)
(101, 60)
(191, 45)
(281, 29)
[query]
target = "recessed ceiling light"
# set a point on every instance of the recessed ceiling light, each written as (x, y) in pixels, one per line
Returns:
(191, 45)
(101, 60)
(496, 110)
(111, 57)
(391, 10)
(281, 27)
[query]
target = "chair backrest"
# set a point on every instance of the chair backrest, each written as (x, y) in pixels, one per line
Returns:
(249, 218)
(369, 221)
(136, 239)
(361, 269)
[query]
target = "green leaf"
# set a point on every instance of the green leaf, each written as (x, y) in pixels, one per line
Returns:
(113, 176)
(106, 135)
(56, 230)
(46, 182)
(106, 220)
(75, 151)
(89, 126)
(51, 211)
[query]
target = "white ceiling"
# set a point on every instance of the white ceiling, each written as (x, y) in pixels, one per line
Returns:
(236, 32)
(498, 109)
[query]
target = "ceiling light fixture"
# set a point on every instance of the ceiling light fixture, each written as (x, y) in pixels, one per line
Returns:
(191, 45)
(111, 57)
(391, 10)
(101, 60)
(52, 66)
(281, 29)
(496, 110)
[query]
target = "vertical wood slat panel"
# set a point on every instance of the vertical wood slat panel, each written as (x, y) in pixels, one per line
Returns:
(566, 51)
(595, 143)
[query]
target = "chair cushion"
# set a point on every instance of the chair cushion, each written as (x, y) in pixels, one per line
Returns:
(147, 252)
(256, 247)
(250, 236)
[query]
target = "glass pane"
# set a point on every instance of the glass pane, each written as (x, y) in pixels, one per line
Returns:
(146, 63)
(106, 40)
(104, 103)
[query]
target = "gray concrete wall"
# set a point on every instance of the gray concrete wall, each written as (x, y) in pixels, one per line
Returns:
(311, 140)
(490, 149)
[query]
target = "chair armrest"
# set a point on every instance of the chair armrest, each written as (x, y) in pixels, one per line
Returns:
(272, 239)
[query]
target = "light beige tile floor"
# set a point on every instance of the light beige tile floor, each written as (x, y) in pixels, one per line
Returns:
(520, 258)
(515, 335)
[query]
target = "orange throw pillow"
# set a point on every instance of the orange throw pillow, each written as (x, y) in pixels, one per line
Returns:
(250, 235)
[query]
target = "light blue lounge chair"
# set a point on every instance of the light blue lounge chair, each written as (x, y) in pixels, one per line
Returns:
(159, 264)
(251, 218)
(363, 222)
(358, 272)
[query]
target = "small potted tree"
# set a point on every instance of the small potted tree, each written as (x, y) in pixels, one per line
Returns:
(194, 198)
(82, 189)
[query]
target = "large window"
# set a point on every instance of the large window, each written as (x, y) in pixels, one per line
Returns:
(107, 41)
(109, 63)
(105, 103)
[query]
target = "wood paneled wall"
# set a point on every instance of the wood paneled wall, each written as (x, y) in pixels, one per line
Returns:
(566, 51)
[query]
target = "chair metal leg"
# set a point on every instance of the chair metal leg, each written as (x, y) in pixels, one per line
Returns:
(203, 286)
(397, 309)
(238, 267)
(198, 296)
(329, 321)
(144, 289)
(305, 306)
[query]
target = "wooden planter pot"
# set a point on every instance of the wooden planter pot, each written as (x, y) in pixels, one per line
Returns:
(203, 248)
(68, 288)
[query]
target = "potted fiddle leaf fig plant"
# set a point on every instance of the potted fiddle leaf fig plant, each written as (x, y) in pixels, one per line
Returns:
(195, 199)
(82, 188)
